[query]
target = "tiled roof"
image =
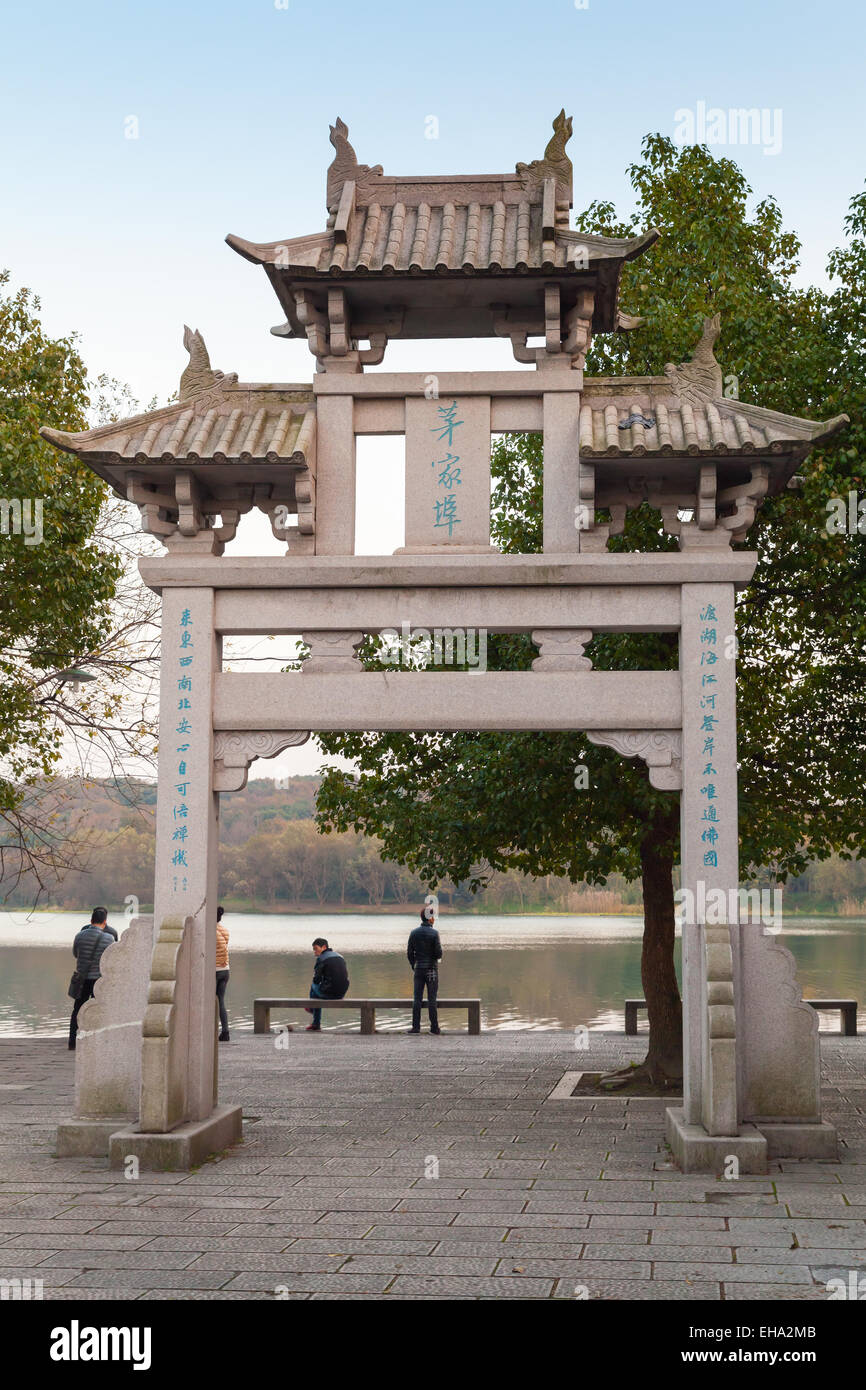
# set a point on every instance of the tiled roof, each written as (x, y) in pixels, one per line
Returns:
(230, 423)
(622, 417)
(381, 224)
(455, 238)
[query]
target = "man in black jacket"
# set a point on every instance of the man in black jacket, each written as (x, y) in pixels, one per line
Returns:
(330, 979)
(87, 949)
(425, 952)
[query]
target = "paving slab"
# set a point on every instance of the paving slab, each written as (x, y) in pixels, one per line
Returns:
(329, 1196)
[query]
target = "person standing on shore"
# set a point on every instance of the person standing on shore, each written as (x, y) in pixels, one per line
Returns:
(222, 973)
(87, 948)
(425, 952)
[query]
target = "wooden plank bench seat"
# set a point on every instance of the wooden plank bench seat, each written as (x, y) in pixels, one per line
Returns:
(846, 1007)
(367, 1007)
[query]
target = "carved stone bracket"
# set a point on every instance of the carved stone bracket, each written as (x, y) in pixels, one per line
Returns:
(182, 515)
(233, 753)
(561, 649)
(594, 535)
(332, 336)
(662, 751)
(567, 335)
(332, 653)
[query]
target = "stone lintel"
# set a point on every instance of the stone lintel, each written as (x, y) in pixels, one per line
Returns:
(408, 384)
(507, 609)
(477, 700)
(411, 571)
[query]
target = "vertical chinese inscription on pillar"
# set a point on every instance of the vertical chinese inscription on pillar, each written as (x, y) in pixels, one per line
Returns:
(183, 652)
(448, 473)
(708, 722)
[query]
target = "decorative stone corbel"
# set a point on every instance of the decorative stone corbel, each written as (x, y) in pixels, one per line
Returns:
(561, 649)
(314, 324)
(182, 516)
(662, 751)
(233, 753)
(746, 497)
(566, 337)
(339, 331)
(577, 325)
(594, 535)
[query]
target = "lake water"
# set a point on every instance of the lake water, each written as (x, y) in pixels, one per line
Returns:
(530, 972)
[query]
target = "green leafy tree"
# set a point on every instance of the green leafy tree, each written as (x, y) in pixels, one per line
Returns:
(461, 805)
(65, 596)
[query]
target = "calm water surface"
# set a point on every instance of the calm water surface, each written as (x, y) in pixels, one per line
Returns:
(530, 972)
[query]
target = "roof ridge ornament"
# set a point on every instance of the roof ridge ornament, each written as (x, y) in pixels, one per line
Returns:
(198, 375)
(344, 164)
(555, 162)
(700, 379)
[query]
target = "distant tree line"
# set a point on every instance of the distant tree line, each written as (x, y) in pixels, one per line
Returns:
(273, 858)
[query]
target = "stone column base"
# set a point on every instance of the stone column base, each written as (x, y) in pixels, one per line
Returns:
(182, 1148)
(798, 1140)
(698, 1152)
(82, 1137)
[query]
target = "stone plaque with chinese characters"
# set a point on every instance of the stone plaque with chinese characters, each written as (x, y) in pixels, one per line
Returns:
(448, 474)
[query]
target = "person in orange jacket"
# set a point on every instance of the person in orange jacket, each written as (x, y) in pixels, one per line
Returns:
(222, 973)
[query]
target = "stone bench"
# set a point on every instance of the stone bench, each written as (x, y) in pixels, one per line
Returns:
(367, 1007)
(846, 1007)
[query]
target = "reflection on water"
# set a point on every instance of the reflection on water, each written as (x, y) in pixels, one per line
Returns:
(531, 972)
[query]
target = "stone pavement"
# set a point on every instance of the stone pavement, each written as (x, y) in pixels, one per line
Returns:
(421, 1167)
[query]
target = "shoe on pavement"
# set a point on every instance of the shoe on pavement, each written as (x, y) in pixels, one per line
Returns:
(413, 1030)
(224, 1037)
(313, 1028)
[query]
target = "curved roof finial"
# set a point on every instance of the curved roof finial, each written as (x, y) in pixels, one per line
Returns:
(198, 374)
(700, 379)
(344, 164)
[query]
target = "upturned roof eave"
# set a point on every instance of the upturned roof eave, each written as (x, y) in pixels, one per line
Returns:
(277, 255)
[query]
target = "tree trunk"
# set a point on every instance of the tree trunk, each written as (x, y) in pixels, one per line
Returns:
(664, 1059)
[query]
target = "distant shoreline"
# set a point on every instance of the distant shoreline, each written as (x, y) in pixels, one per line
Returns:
(407, 910)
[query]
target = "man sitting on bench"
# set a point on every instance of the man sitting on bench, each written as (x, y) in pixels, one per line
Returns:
(330, 979)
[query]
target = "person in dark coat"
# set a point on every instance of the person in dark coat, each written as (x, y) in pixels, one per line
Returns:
(87, 948)
(425, 952)
(330, 979)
